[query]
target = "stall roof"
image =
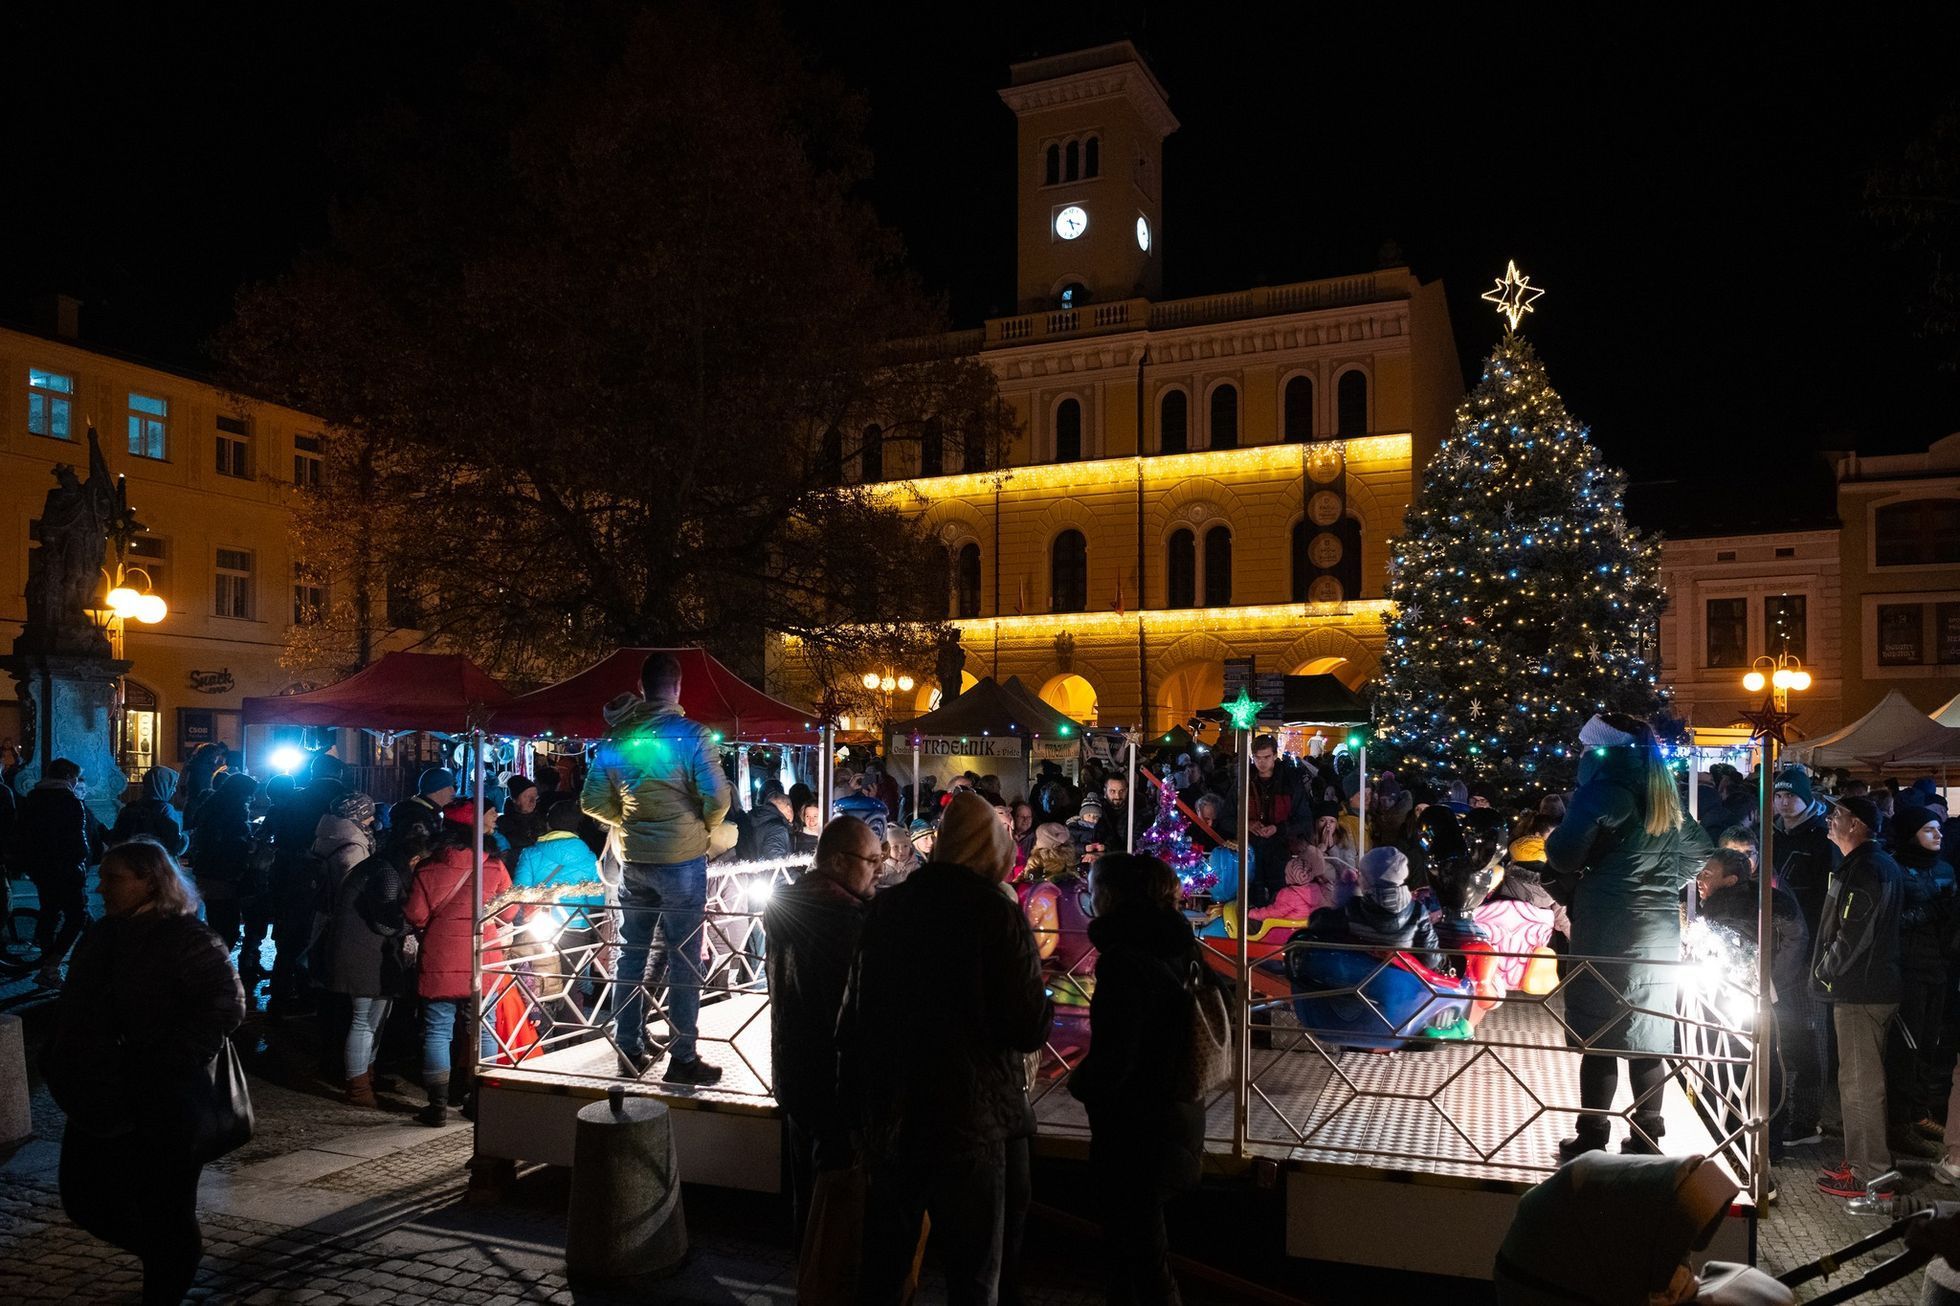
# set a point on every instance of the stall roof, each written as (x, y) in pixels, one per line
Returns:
(710, 694)
(1895, 733)
(1948, 713)
(402, 691)
(1320, 700)
(988, 707)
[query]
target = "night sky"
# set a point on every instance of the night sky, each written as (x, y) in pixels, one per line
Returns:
(1690, 195)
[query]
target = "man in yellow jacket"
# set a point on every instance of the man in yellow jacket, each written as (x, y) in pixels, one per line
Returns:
(658, 781)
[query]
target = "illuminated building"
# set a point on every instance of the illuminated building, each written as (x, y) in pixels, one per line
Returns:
(1191, 480)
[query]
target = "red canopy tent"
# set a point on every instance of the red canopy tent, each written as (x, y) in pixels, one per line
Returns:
(402, 691)
(710, 694)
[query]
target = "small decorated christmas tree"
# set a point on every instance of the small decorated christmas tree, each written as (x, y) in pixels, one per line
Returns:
(1169, 840)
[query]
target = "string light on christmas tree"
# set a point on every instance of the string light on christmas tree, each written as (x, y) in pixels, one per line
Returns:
(1169, 839)
(1513, 294)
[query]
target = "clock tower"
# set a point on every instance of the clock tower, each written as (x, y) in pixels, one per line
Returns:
(1090, 177)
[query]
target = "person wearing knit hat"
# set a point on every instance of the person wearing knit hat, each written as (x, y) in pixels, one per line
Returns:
(1382, 913)
(945, 998)
(521, 822)
(1918, 1077)
(1053, 853)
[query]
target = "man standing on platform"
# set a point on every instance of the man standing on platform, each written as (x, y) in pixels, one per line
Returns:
(657, 781)
(1856, 969)
(1279, 815)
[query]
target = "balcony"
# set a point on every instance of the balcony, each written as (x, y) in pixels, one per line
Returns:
(1204, 310)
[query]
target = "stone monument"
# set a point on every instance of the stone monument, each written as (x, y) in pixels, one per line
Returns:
(64, 674)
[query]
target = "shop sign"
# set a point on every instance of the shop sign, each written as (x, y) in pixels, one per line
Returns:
(213, 682)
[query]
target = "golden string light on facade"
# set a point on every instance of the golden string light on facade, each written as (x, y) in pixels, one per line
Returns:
(1513, 294)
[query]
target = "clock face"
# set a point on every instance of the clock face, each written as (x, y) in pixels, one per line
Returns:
(1071, 222)
(1143, 234)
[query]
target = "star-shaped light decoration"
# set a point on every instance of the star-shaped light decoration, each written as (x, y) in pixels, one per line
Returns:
(1768, 723)
(1510, 510)
(1244, 710)
(1513, 294)
(1476, 709)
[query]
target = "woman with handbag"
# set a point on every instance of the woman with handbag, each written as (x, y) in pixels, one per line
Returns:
(141, 1064)
(440, 911)
(1141, 1080)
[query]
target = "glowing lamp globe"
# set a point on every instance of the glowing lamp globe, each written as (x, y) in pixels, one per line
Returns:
(1754, 682)
(905, 684)
(150, 609)
(122, 600)
(1780, 678)
(871, 680)
(888, 684)
(1800, 680)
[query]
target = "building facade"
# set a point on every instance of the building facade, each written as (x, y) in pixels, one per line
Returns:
(211, 478)
(1190, 480)
(1901, 561)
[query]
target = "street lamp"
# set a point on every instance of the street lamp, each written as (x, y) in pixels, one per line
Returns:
(122, 601)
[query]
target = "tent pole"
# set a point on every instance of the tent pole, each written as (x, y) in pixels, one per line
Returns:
(1361, 818)
(1759, 1053)
(915, 778)
(1242, 1036)
(1130, 842)
(826, 760)
(476, 900)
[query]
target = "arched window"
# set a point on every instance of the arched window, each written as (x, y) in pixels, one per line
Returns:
(1073, 167)
(973, 448)
(932, 448)
(1299, 409)
(1351, 403)
(1174, 422)
(1052, 171)
(871, 455)
(1181, 570)
(1068, 573)
(1218, 567)
(830, 457)
(1068, 431)
(1225, 417)
(1092, 157)
(966, 581)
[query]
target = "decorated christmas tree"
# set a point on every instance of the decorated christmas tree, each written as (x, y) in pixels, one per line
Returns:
(1524, 603)
(1169, 839)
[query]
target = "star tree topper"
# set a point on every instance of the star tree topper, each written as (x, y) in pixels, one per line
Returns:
(1513, 294)
(1244, 710)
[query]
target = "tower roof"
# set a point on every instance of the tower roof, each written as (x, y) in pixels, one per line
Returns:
(1116, 69)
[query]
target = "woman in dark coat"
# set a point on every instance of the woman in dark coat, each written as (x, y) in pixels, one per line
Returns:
(1627, 844)
(150, 997)
(151, 813)
(360, 949)
(221, 855)
(1146, 1123)
(1917, 1075)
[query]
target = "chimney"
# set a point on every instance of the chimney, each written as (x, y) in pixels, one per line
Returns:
(64, 316)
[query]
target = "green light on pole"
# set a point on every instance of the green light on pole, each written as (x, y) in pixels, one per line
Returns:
(1243, 710)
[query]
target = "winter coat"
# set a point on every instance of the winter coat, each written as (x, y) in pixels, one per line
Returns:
(340, 845)
(360, 952)
(519, 829)
(1805, 858)
(813, 927)
(558, 858)
(51, 833)
(1856, 954)
(1141, 1125)
(151, 814)
(1626, 903)
(148, 1001)
(771, 833)
(657, 779)
(439, 910)
(1735, 907)
(944, 997)
(1925, 911)
(867, 808)
(221, 848)
(1362, 919)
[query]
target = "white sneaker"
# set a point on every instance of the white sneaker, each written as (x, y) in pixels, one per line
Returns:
(1948, 1172)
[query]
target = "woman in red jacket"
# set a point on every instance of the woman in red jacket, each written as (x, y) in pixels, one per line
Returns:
(440, 911)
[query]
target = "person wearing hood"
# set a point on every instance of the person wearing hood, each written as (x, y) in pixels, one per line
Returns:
(439, 910)
(1917, 1072)
(1382, 913)
(221, 861)
(1805, 856)
(940, 1101)
(1631, 850)
(150, 813)
(1146, 1122)
(50, 845)
(657, 780)
(1311, 886)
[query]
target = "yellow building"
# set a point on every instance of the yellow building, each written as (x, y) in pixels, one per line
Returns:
(211, 480)
(1192, 480)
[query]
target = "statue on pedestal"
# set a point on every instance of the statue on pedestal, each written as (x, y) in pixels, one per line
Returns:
(951, 663)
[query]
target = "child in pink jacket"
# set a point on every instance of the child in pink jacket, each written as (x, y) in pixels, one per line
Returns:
(1310, 885)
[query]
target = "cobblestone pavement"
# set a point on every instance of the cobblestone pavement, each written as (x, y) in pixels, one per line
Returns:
(1804, 1223)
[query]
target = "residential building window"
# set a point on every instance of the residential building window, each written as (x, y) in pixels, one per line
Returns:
(966, 581)
(152, 555)
(309, 462)
(1905, 638)
(973, 449)
(234, 451)
(1918, 533)
(932, 449)
(1068, 573)
(1728, 632)
(1784, 625)
(1218, 567)
(403, 605)
(1092, 157)
(149, 426)
(1051, 174)
(309, 597)
(1068, 431)
(1351, 403)
(232, 584)
(1298, 409)
(1225, 417)
(1181, 570)
(50, 404)
(1174, 422)
(871, 455)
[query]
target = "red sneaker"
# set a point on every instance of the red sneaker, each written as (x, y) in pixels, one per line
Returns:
(1844, 1185)
(1842, 1170)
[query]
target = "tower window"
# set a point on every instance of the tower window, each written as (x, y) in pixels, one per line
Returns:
(1174, 422)
(1092, 157)
(1351, 403)
(1074, 295)
(1068, 431)
(1225, 417)
(1181, 570)
(1068, 573)
(1072, 161)
(1218, 567)
(1051, 172)
(1299, 409)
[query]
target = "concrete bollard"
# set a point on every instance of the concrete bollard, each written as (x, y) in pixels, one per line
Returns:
(626, 1220)
(16, 1117)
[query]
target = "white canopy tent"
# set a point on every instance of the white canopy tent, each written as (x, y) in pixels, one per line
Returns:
(1893, 735)
(1948, 713)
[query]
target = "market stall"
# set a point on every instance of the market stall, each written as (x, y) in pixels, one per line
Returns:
(990, 727)
(1894, 736)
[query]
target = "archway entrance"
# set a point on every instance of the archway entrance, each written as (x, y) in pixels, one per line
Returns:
(1340, 668)
(1072, 696)
(1188, 690)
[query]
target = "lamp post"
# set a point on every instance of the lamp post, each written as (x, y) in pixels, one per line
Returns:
(882, 685)
(1776, 678)
(122, 602)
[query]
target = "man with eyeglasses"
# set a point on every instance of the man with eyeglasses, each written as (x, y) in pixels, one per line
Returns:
(813, 927)
(1855, 968)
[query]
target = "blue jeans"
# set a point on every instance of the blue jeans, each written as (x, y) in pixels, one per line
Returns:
(439, 1016)
(364, 1033)
(667, 901)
